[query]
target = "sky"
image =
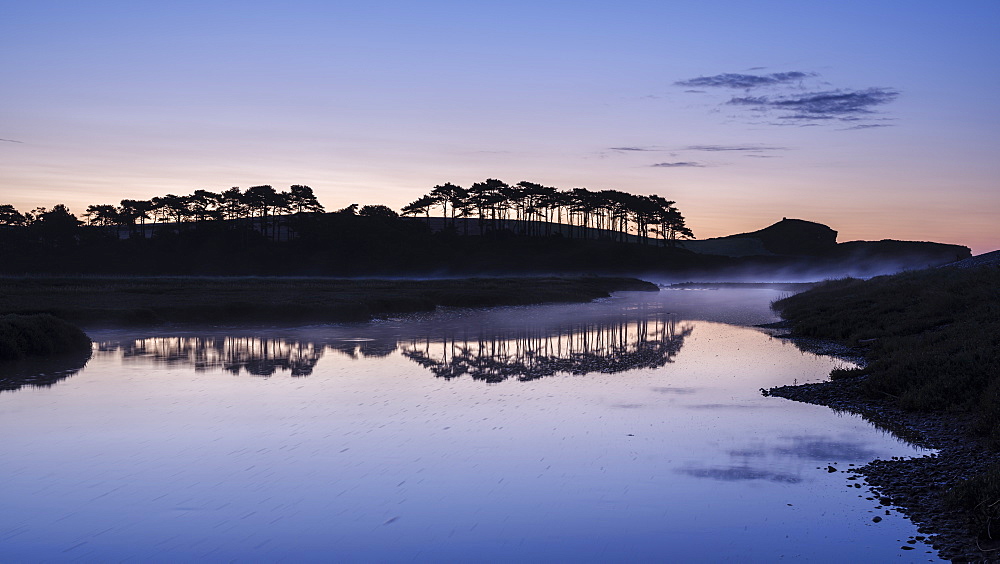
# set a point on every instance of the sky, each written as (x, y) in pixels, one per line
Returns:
(877, 118)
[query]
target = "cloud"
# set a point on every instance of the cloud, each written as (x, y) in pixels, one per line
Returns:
(842, 105)
(11, 141)
(677, 164)
(715, 148)
(797, 98)
(630, 149)
(867, 126)
(735, 80)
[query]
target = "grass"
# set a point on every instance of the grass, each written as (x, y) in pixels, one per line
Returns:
(26, 336)
(150, 300)
(979, 497)
(933, 344)
(932, 336)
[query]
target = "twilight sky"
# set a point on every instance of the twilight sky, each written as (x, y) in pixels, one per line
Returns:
(878, 118)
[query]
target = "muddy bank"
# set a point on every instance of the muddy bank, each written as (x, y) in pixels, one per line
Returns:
(915, 487)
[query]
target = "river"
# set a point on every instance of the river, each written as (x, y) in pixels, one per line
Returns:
(631, 428)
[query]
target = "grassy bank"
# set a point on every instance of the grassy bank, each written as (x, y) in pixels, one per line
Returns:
(932, 341)
(932, 336)
(28, 336)
(150, 300)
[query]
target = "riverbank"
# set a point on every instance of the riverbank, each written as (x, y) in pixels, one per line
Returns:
(929, 342)
(917, 487)
(33, 336)
(225, 300)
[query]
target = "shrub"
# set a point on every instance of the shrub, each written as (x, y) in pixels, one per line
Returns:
(39, 335)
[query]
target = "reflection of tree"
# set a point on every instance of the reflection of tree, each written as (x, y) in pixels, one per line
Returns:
(259, 357)
(368, 348)
(40, 372)
(624, 341)
(531, 353)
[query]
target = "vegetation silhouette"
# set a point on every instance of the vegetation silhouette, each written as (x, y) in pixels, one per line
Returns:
(265, 231)
(27, 336)
(491, 228)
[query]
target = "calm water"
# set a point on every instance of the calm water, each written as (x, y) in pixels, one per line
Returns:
(627, 429)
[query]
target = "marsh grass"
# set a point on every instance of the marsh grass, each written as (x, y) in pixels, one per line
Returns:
(932, 336)
(26, 336)
(933, 341)
(980, 498)
(149, 300)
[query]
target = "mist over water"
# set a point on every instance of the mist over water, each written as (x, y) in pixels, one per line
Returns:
(628, 428)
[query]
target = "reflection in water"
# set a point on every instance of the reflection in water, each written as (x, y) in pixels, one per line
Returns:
(490, 355)
(740, 473)
(529, 354)
(40, 373)
(138, 457)
(258, 357)
(813, 448)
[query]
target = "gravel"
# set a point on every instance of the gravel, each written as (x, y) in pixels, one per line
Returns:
(915, 486)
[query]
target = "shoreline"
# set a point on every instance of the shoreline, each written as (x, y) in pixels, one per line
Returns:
(146, 301)
(915, 487)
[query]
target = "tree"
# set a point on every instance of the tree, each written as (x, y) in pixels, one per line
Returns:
(262, 199)
(202, 204)
(9, 216)
(349, 210)
(449, 194)
(56, 227)
(301, 199)
(232, 204)
(422, 205)
(172, 207)
(131, 210)
(378, 211)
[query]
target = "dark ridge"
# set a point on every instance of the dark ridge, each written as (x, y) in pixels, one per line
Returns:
(793, 237)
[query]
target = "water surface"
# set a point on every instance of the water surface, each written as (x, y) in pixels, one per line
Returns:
(629, 428)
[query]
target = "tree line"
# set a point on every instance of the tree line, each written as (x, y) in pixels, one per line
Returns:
(525, 207)
(537, 209)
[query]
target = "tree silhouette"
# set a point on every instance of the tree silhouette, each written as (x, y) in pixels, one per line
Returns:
(9, 216)
(380, 211)
(302, 199)
(421, 205)
(56, 227)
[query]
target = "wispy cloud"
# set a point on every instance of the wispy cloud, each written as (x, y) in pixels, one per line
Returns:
(677, 164)
(735, 80)
(11, 141)
(631, 149)
(798, 98)
(717, 148)
(866, 126)
(844, 105)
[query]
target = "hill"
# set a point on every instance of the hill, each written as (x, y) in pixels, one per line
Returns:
(810, 247)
